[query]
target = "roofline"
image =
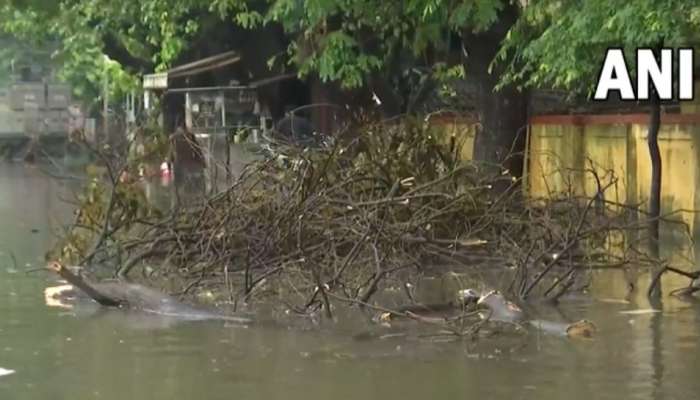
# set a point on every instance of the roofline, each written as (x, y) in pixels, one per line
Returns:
(182, 69)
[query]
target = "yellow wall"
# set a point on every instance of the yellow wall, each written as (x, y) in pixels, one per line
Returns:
(463, 132)
(554, 159)
(692, 107)
(560, 154)
(622, 148)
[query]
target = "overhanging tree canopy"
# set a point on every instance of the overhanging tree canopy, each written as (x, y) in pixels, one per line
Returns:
(563, 44)
(353, 42)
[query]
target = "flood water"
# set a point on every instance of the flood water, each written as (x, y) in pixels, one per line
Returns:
(96, 354)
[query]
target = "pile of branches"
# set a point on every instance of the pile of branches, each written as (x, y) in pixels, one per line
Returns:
(337, 225)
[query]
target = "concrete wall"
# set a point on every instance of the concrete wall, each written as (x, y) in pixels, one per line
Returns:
(566, 152)
(26, 110)
(562, 148)
(457, 129)
(11, 124)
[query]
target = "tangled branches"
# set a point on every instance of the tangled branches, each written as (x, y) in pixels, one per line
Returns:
(335, 224)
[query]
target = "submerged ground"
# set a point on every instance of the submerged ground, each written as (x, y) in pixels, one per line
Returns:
(87, 353)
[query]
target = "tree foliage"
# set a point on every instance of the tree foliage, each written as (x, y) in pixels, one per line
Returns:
(341, 40)
(346, 41)
(103, 39)
(562, 43)
(555, 43)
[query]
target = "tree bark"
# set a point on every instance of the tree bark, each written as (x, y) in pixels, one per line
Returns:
(502, 114)
(655, 156)
(87, 288)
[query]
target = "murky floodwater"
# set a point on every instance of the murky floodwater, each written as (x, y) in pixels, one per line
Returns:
(93, 354)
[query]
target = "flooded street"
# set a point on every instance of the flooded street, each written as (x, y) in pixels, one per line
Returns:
(88, 353)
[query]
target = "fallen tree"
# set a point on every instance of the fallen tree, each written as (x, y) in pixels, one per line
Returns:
(338, 225)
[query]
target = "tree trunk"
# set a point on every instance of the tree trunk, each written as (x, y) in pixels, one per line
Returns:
(502, 114)
(89, 289)
(655, 156)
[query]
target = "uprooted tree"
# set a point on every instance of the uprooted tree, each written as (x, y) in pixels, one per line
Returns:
(350, 224)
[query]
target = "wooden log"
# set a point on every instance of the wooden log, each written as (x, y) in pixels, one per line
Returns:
(92, 290)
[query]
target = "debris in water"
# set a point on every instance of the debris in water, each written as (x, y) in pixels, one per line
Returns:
(641, 311)
(57, 296)
(614, 301)
(581, 329)
(4, 372)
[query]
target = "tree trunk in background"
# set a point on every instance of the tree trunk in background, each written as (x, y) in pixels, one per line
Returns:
(502, 114)
(655, 155)
(390, 106)
(173, 112)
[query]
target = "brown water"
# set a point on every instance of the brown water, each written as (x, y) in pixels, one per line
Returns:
(92, 354)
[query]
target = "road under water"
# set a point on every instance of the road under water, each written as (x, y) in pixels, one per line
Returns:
(106, 354)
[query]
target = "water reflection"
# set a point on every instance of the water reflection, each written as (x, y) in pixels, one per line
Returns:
(88, 352)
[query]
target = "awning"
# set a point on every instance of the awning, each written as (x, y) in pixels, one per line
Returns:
(250, 86)
(161, 80)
